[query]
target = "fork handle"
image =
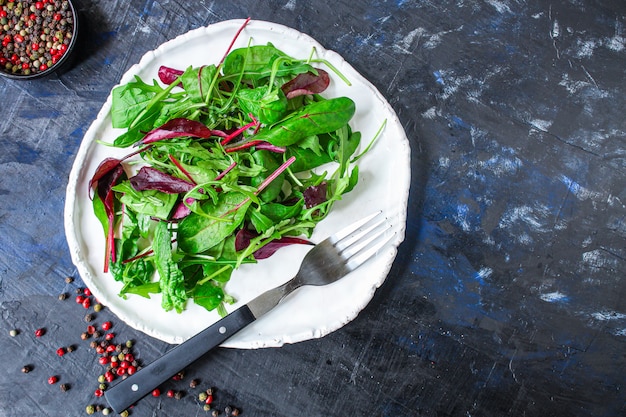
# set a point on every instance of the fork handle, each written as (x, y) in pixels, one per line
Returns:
(130, 390)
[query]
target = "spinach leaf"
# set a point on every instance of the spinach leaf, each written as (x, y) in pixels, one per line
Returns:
(260, 61)
(313, 119)
(198, 233)
(266, 104)
(171, 279)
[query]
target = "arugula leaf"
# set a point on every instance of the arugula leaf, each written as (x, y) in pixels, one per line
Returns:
(150, 202)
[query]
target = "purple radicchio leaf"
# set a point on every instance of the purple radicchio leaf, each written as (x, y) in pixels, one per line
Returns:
(315, 195)
(244, 236)
(149, 178)
(168, 75)
(176, 128)
(306, 83)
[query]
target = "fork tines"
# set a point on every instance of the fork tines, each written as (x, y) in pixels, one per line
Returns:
(361, 240)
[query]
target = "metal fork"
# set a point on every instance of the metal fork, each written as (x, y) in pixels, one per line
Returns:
(325, 263)
(330, 260)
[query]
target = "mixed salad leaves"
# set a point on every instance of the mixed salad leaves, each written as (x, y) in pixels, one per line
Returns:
(223, 171)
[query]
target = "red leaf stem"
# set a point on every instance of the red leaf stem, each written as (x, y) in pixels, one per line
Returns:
(233, 41)
(181, 168)
(226, 171)
(242, 129)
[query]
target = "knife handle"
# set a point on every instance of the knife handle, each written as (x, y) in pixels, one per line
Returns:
(130, 390)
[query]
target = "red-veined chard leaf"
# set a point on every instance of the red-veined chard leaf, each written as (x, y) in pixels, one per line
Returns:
(149, 178)
(108, 173)
(168, 75)
(175, 128)
(245, 236)
(315, 194)
(307, 83)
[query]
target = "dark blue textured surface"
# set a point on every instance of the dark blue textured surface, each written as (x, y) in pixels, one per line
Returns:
(508, 297)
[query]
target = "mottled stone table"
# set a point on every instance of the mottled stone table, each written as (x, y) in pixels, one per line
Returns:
(508, 296)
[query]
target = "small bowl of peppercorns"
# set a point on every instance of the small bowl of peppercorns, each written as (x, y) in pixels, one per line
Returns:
(37, 37)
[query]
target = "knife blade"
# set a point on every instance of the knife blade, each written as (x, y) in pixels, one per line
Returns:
(130, 390)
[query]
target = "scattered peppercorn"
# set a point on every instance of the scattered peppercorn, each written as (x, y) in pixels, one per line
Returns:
(88, 317)
(106, 326)
(64, 387)
(97, 307)
(215, 413)
(156, 392)
(90, 409)
(40, 332)
(84, 336)
(194, 383)
(124, 413)
(61, 351)
(62, 296)
(13, 332)
(53, 379)
(106, 411)
(228, 409)
(206, 407)
(69, 280)
(202, 396)
(179, 394)
(26, 369)
(235, 412)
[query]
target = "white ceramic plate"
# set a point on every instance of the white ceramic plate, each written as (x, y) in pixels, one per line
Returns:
(309, 312)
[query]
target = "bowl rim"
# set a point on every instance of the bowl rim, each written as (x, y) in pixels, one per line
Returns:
(60, 63)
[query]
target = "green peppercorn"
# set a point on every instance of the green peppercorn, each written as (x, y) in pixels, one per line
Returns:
(202, 396)
(90, 409)
(124, 413)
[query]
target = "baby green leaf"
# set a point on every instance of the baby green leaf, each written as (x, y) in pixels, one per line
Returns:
(198, 233)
